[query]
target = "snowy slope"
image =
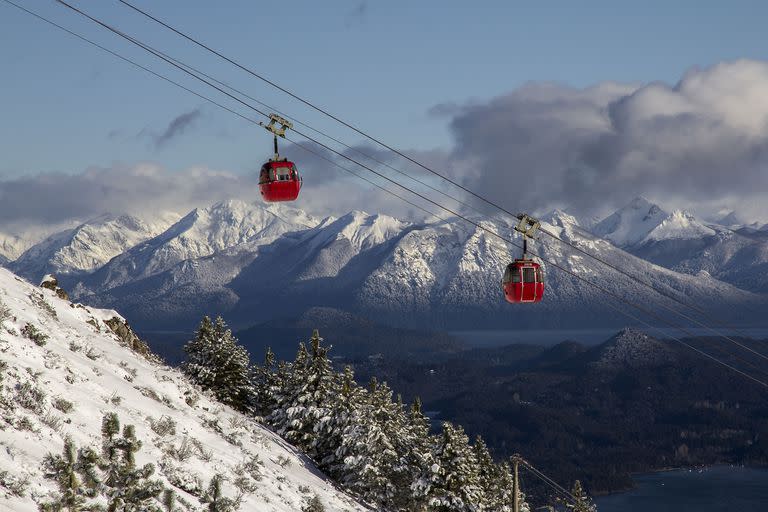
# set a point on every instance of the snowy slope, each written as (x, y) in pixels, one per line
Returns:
(89, 245)
(84, 363)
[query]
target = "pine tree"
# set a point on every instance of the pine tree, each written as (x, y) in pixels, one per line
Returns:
(373, 464)
(264, 380)
(63, 469)
(347, 398)
(215, 498)
(488, 473)
(127, 488)
(289, 382)
(169, 501)
(110, 427)
(583, 503)
(88, 461)
(453, 481)
(218, 363)
(303, 404)
(419, 456)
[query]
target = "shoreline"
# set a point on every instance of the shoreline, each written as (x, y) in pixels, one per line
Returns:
(671, 469)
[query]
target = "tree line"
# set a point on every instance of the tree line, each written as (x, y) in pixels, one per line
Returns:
(365, 438)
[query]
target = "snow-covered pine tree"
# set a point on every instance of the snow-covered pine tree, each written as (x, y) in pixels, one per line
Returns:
(372, 461)
(319, 395)
(488, 473)
(583, 503)
(110, 461)
(126, 487)
(168, 500)
(303, 400)
(264, 380)
(408, 444)
(139, 491)
(279, 393)
(452, 484)
(217, 362)
(420, 457)
(347, 397)
(63, 469)
(215, 498)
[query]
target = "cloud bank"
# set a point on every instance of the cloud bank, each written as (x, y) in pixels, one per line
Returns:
(33, 202)
(702, 142)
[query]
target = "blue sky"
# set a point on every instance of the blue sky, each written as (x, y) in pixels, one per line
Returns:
(382, 65)
(68, 107)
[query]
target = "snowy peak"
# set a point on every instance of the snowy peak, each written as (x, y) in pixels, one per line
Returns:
(365, 231)
(559, 218)
(632, 223)
(680, 224)
(89, 245)
(361, 229)
(204, 231)
(65, 366)
(11, 246)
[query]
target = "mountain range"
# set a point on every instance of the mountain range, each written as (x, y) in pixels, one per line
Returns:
(254, 263)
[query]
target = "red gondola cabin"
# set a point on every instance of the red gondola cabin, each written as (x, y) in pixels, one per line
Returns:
(523, 282)
(279, 181)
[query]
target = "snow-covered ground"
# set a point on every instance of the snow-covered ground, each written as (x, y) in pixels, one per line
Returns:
(83, 363)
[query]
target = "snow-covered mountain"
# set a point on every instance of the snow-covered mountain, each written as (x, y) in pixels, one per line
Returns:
(11, 247)
(14, 243)
(733, 253)
(729, 219)
(88, 246)
(641, 222)
(679, 225)
(199, 234)
(632, 223)
(442, 274)
(60, 376)
(734, 257)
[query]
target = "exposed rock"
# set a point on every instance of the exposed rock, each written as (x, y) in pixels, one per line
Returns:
(129, 338)
(50, 282)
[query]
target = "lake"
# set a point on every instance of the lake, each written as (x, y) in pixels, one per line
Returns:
(715, 489)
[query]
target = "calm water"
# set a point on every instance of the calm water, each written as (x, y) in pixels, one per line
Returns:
(500, 338)
(718, 489)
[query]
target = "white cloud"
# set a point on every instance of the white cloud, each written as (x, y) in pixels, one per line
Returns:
(701, 141)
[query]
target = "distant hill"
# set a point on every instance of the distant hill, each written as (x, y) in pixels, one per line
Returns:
(630, 404)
